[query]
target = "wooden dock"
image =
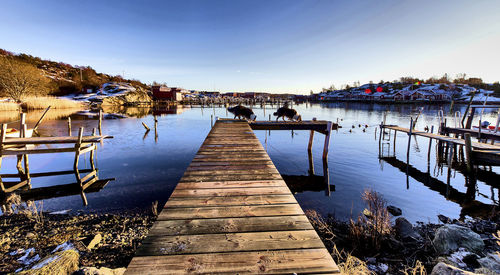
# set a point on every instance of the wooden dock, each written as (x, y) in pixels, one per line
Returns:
(232, 213)
(457, 141)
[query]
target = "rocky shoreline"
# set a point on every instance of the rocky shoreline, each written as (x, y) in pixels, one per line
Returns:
(105, 241)
(452, 247)
(376, 243)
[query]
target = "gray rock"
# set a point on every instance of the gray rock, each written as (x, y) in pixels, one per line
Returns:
(444, 219)
(92, 241)
(491, 262)
(446, 269)
(450, 237)
(394, 210)
(405, 230)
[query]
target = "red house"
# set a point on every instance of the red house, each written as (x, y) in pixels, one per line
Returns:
(166, 93)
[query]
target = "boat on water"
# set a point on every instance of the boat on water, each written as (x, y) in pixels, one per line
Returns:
(14, 133)
(491, 128)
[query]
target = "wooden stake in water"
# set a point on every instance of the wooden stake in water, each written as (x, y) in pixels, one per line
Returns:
(69, 126)
(409, 142)
(468, 152)
(430, 144)
(100, 122)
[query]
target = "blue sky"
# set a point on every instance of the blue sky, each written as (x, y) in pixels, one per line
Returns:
(274, 46)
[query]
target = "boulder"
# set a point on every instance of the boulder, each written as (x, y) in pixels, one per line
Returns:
(64, 262)
(450, 237)
(446, 269)
(92, 241)
(394, 210)
(491, 262)
(405, 230)
(100, 271)
(444, 219)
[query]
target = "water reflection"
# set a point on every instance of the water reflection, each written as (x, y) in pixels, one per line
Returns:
(86, 181)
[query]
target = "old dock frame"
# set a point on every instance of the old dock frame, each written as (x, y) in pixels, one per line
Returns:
(232, 213)
(23, 146)
(476, 152)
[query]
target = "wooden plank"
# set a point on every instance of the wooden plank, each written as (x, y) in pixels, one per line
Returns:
(231, 212)
(215, 192)
(264, 171)
(229, 200)
(230, 184)
(230, 163)
(219, 167)
(54, 140)
(212, 212)
(229, 225)
(231, 177)
(231, 242)
(269, 262)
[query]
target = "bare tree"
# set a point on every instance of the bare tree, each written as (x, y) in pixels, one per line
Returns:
(19, 79)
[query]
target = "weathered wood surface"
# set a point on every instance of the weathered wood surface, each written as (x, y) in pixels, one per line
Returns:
(321, 126)
(458, 141)
(53, 140)
(232, 213)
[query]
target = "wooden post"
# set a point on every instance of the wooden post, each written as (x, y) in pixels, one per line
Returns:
(26, 161)
(327, 140)
(21, 123)
(468, 152)
(468, 125)
(311, 138)
(145, 127)
(78, 146)
(2, 140)
(41, 119)
(211, 120)
(92, 165)
(409, 142)
(269, 117)
(69, 126)
(430, 143)
(19, 165)
(100, 122)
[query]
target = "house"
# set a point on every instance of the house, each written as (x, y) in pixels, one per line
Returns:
(167, 93)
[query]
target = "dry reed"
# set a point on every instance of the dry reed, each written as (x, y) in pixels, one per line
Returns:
(374, 224)
(418, 269)
(9, 106)
(33, 103)
(350, 265)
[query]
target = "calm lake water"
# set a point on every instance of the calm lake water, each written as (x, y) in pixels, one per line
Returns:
(147, 169)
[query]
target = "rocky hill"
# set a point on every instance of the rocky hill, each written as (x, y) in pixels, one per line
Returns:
(66, 79)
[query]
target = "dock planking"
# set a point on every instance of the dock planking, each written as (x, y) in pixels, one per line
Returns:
(232, 213)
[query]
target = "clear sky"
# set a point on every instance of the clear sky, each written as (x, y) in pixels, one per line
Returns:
(260, 45)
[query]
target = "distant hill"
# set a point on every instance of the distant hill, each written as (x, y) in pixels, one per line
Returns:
(416, 91)
(67, 79)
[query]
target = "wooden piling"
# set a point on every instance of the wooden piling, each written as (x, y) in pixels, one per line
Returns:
(92, 164)
(430, 144)
(78, 146)
(327, 141)
(100, 122)
(468, 152)
(409, 141)
(69, 126)
(2, 140)
(41, 118)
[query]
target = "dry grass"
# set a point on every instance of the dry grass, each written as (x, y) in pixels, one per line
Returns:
(9, 106)
(349, 264)
(154, 208)
(418, 269)
(33, 103)
(29, 209)
(374, 227)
